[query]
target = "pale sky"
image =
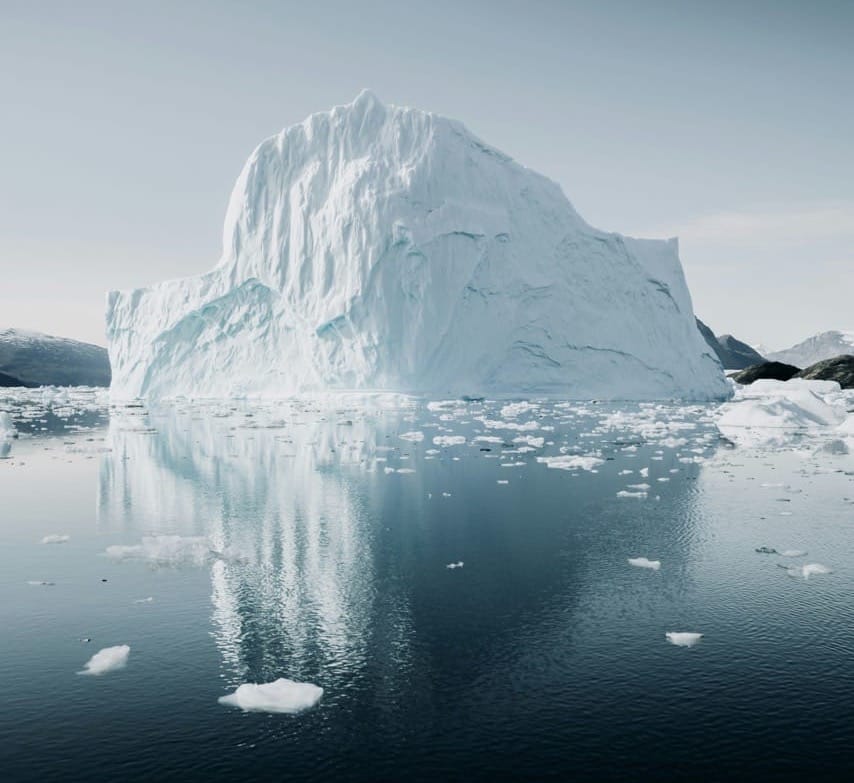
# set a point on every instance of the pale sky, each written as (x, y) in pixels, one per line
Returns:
(123, 126)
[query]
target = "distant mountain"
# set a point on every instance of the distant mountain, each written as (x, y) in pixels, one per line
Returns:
(826, 345)
(34, 359)
(733, 353)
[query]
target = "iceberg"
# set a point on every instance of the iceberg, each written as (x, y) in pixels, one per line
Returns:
(374, 247)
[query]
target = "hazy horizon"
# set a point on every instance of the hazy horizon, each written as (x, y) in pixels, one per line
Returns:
(724, 125)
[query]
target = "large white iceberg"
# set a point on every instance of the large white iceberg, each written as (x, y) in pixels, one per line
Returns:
(378, 247)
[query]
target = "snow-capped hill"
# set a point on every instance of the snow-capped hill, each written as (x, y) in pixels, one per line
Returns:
(35, 359)
(825, 345)
(378, 247)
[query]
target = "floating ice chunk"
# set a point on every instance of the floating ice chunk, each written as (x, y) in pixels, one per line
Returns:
(527, 426)
(281, 695)
(55, 539)
(568, 462)
(107, 660)
(144, 600)
(414, 437)
(514, 409)
(449, 440)
(644, 487)
(458, 564)
(644, 472)
(626, 494)
(642, 562)
(502, 481)
(762, 408)
(530, 440)
(406, 470)
(683, 638)
(793, 553)
(40, 583)
(808, 570)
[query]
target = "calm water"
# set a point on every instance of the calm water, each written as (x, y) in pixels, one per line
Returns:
(544, 657)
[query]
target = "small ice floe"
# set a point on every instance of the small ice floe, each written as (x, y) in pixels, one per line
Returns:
(568, 462)
(449, 440)
(144, 600)
(683, 638)
(107, 660)
(39, 583)
(808, 570)
(643, 487)
(446, 494)
(530, 440)
(281, 695)
(55, 539)
(793, 553)
(642, 562)
(458, 564)
(626, 494)
(502, 481)
(644, 472)
(414, 437)
(406, 470)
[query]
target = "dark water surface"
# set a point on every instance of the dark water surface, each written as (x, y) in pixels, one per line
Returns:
(543, 657)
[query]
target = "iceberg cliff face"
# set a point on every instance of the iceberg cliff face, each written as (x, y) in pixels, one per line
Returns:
(376, 247)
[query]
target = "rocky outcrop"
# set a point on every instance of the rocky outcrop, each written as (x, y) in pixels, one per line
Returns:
(775, 371)
(839, 369)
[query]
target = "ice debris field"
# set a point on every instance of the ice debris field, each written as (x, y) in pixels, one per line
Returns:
(811, 421)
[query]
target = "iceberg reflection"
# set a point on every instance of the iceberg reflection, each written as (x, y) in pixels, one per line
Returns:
(281, 489)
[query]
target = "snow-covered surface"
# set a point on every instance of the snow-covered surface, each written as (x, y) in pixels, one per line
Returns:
(377, 247)
(817, 348)
(107, 660)
(769, 413)
(282, 695)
